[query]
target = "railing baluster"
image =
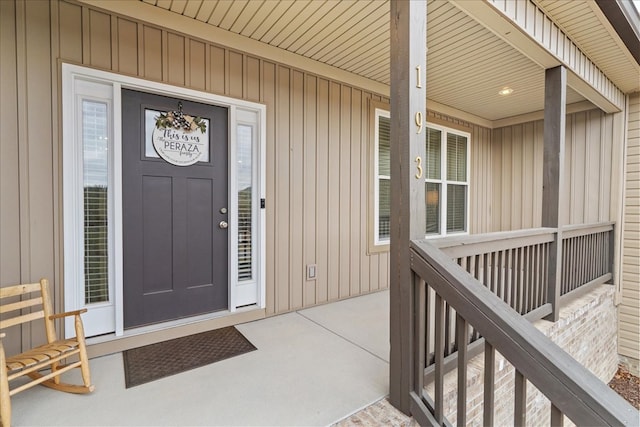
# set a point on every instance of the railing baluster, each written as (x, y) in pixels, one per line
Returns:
(486, 260)
(573, 262)
(557, 418)
(419, 333)
(520, 400)
(508, 262)
(518, 279)
(428, 327)
(603, 254)
(447, 330)
(462, 337)
(583, 259)
(499, 278)
(540, 273)
(546, 275)
(566, 254)
(439, 360)
(489, 383)
(528, 284)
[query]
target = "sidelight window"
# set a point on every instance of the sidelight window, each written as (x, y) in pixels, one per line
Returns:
(95, 149)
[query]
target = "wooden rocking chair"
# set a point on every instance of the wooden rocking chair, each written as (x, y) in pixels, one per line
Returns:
(35, 296)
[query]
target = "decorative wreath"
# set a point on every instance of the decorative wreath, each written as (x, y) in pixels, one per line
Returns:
(178, 120)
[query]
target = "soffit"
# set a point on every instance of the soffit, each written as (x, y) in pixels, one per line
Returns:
(590, 30)
(466, 64)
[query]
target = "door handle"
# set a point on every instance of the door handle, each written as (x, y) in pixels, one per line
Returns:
(223, 224)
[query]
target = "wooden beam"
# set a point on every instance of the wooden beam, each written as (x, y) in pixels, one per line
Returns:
(408, 34)
(555, 100)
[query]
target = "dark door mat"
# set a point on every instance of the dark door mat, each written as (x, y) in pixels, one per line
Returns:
(155, 361)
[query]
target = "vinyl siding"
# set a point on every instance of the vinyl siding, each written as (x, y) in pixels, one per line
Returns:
(629, 308)
(517, 166)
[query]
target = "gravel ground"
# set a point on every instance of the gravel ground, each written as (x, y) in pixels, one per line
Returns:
(627, 386)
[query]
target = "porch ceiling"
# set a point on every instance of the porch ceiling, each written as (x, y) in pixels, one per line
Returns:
(466, 63)
(591, 31)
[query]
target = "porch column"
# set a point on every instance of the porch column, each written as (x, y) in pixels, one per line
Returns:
(408, 128)
(555, 97)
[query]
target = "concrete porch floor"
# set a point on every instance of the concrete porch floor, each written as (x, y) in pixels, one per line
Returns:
(313, 367)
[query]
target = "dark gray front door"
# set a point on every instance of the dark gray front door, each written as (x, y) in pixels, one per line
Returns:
(175, 254)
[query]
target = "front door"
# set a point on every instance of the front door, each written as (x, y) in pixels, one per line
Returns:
(175, 240)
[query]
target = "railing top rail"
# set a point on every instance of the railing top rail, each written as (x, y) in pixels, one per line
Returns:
(458, 246)
(576, 230)
(570, 386)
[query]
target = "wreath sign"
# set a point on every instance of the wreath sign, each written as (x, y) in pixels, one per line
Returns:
(179, 138)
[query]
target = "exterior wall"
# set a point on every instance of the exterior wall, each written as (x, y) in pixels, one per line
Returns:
(517, 156)
(29, 166)
(586, 330)
(629, 308)
(317, 146)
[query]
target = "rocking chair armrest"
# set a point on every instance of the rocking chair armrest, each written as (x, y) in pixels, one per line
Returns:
(68, 313)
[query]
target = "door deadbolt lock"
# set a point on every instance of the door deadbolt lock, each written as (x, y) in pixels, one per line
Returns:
(223, 210)
(223, 224)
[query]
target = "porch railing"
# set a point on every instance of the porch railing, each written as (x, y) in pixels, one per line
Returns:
(572, 389)
(587, 255)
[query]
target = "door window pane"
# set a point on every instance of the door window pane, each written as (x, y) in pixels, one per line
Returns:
(384, 209)
(383, 167)
(384, 146)
(245, 196)
(95, 179)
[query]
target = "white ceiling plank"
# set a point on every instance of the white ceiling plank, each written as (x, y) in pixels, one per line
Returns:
(250, 12)
(369, 20)
(352, 18)
(164, 4)
(272, 18)
(307, 16)
(287, 22)
(233, 13)
(206, 9)
(219, 12)
(325, 18)
(192, 8)
(178, 6)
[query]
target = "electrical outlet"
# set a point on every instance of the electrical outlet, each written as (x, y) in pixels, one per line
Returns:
(312, 271)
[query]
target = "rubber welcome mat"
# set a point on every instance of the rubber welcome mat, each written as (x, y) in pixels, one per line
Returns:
(155, 361)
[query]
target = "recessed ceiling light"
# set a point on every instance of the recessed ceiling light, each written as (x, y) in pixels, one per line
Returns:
(505, 91)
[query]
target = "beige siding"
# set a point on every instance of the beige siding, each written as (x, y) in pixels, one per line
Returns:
(317, 146)
(27, 158)
(517, 154)
(629, 308)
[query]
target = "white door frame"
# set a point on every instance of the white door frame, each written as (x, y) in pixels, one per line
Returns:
(80, 83)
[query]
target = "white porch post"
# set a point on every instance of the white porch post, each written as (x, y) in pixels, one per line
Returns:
(408, 129)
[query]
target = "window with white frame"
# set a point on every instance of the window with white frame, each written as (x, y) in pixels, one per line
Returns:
(446, 179)
(382, 156)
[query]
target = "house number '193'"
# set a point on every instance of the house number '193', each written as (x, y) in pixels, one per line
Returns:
(419, 167)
